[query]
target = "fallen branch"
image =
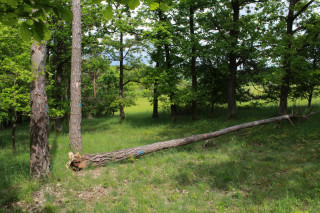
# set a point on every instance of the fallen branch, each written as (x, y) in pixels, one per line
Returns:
(78, 162)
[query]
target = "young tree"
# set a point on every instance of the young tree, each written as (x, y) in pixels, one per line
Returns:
(123, 45)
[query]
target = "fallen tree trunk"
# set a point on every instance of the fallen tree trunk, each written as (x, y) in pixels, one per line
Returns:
(78, 162)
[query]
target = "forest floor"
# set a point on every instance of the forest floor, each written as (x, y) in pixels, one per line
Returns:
(253, 170)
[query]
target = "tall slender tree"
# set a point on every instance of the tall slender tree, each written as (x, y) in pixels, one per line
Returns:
(75, 84)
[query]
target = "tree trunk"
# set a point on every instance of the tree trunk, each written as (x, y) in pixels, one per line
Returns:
(173, 107)
(58, 121)
(75, 85)
(212, 106)
(285, 85)
(193, 64)
(311, 89)
(13, 136)
(80, 162)
(310, 97)
(94, 85)
(39, 117)
(121, 107)
(155, 113)
(234, 33)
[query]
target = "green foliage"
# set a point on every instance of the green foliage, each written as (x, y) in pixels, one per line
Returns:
(104, 102)
(15, 74)
(31, 16)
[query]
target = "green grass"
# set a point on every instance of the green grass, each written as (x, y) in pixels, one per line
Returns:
(268, 170)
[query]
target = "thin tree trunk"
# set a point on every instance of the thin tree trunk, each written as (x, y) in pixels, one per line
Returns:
(285, 85)
(75, 85)
(155, 113)
(121, 107)
(39, 117)
(234, 33)
(13, 136)
(212, 107)
(193, 64)
(314, 64)
(58, 121)
(310, 97)
(173, 107)
(80, 162)
(94, 85)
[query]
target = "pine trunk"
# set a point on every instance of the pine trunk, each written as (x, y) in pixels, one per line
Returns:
(80, 162)
(39, 117)
(75, 85)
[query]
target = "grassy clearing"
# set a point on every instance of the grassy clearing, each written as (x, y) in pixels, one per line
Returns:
(270, 170)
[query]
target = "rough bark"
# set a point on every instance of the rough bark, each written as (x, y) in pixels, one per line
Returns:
(121, 107)
(234, 33)
(75, 84)
(39, 117)
(193, 64)
(78, 162)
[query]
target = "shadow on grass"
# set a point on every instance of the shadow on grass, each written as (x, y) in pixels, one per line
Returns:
(13, 167)
(269, 165)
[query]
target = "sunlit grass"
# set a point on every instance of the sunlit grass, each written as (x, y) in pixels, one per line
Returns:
(268, 170)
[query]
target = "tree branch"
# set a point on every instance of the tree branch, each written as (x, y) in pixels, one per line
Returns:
(302, 9)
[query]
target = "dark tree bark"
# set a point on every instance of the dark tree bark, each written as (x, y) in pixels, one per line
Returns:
(39, 117)
(285, 85)
(193, 64)
(80, 162)
(234, 34)
(121, 107)
(75, 85)
(173, 107)
(155, 113)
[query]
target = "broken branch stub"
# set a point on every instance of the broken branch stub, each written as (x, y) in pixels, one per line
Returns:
(78, 162)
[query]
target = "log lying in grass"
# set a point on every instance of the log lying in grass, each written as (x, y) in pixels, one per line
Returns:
(78, 162)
